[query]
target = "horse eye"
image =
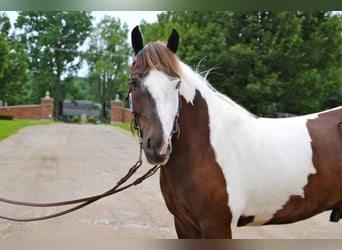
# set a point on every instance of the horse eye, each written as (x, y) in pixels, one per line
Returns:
(178, 84)
(132, 81)
(175, 80)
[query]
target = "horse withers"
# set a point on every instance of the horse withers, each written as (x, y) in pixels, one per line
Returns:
(222, 165)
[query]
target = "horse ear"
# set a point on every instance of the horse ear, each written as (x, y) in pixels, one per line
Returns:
(137, 40)
(173, 41)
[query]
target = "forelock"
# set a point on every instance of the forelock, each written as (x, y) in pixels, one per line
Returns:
(156, 56)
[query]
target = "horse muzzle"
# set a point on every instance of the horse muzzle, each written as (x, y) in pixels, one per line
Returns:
(156, 152)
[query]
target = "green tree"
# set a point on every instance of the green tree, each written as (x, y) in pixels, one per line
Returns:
(107, 58)
(78, 88)
(287, 61)
(4, 46)
(13, 64)
(306, 55)
(4, 50)
(53, 40)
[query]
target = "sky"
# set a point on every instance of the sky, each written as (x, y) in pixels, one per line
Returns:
(132, 18)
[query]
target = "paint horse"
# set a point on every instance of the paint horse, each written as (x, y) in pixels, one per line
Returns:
(227, 167)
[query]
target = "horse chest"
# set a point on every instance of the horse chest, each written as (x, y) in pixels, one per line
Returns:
(195, 189)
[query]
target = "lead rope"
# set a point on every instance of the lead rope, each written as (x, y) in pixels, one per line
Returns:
(88, 200)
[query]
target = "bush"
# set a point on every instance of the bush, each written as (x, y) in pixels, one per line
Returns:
(6, 117)
(91, 119)
(76, 119)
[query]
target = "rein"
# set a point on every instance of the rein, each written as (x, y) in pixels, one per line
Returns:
(87, 200)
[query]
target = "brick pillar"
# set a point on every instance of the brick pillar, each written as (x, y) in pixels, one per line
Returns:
(46, 107)
(116, 110)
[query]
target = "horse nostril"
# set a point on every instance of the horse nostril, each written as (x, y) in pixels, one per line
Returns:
(149, 144)
(155, 151)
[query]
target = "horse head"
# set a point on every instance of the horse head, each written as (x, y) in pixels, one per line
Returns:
(154, 94)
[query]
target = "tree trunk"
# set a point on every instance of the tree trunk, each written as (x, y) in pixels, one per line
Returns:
(104, 113)
(57, 98)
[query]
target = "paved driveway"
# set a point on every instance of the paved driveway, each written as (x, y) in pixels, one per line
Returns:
(61, 162)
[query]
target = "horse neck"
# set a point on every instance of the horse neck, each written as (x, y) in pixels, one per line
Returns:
(193, 84)
(201, 105)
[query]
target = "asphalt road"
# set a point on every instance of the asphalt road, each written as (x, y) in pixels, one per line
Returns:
(62, 161)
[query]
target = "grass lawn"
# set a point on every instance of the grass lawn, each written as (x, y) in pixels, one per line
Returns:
(125, 126)
(8, 128)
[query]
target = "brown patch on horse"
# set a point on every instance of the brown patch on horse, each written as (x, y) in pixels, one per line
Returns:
(192, 182)
(324, 188)
(244, 220)
(156, 56)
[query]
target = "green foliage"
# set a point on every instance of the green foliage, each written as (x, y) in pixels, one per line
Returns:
(124, 126)
(91, 119)
(13, 63)
(77, 88)
(6, 117)
(285, 61)
(53, 39)
(4, 46)
(76, 119)
(107, 58)
(268, 61)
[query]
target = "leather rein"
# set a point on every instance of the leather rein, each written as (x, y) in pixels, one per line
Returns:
(87, 200)
(117, 188)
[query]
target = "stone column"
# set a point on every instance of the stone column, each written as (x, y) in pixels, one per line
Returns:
(116, 110)
(46, 107)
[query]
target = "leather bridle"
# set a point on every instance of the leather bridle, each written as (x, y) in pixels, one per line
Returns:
(135, 120)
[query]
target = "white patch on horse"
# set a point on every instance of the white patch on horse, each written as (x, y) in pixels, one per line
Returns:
(264, 161)
(165, 94)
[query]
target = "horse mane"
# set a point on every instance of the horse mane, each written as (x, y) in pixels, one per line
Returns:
(195, 80)
(157, 56)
